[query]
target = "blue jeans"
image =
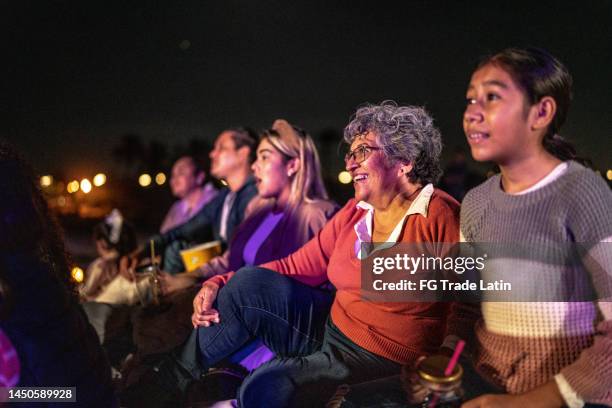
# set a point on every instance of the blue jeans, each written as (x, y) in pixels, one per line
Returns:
(257, 303)
(286, 315)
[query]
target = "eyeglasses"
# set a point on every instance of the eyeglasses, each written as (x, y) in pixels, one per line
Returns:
(360, 154)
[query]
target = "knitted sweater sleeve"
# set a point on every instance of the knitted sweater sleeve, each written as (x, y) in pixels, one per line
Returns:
(590, 376)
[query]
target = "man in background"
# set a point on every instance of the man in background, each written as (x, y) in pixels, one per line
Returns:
(188, 184)
(231, 158)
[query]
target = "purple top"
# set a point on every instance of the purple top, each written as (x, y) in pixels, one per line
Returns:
(259, 236)
(180, 212)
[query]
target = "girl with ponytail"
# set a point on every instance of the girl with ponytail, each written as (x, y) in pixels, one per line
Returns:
(538, 353)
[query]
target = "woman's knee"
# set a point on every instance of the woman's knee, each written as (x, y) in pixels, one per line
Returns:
(250, 280)
(243, 289)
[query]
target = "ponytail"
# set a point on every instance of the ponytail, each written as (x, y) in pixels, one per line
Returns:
(562, 149)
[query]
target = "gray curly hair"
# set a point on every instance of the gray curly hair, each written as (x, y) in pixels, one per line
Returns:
(405, 134)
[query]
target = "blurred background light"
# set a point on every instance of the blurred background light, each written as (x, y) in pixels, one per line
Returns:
(345, 177)
(160, 178)
(46, 180)
(99, 179)
(144, 180)
(73, 186)
(77, 274)
(85, 186)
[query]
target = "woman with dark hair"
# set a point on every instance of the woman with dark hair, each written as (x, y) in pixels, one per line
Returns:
(544, 353)
(41, 316)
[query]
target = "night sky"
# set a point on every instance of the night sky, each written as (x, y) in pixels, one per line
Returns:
(79, 75)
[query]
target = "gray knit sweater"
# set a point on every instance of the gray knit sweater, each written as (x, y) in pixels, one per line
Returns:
(520, 346)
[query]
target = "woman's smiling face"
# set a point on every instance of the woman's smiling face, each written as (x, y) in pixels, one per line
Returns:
(373, 175)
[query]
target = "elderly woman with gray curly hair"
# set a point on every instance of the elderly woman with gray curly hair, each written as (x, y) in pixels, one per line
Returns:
(393, 160)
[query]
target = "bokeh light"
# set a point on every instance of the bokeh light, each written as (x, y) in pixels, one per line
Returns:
(77, 274)
(73, 186)
(160, 178)
(85, 186)
(345, 177)
(46, 180)
(609, 174)
(144, 180)
(99, 179)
